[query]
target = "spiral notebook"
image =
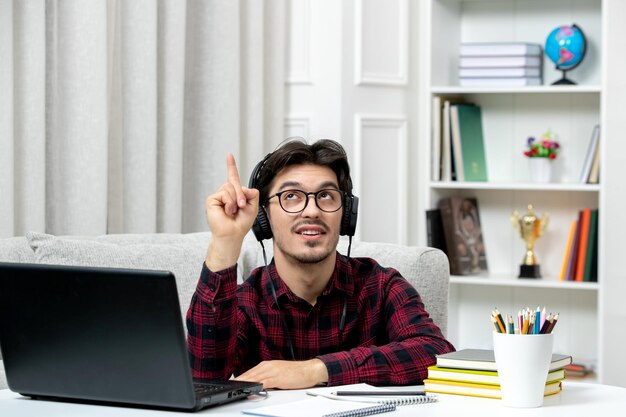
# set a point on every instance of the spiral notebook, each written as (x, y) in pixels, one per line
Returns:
(384, 395)
(321, 407)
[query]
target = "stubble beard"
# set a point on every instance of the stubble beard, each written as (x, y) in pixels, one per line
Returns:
(309, 258)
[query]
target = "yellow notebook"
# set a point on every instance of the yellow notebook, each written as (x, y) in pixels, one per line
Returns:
(477, 390)
(480, 377)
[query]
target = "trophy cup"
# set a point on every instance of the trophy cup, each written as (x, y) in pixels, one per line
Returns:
(530, 228)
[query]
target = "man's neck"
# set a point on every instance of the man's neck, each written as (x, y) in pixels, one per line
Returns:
(307, 281)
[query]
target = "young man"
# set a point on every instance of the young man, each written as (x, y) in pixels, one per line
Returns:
(312, 316)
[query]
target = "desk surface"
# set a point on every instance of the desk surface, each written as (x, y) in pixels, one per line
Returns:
(577, 399)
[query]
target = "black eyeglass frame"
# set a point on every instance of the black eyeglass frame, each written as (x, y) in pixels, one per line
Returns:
(306, 202)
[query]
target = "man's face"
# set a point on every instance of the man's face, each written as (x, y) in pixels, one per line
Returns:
(312, 235)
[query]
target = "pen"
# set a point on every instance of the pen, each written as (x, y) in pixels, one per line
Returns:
(387, 393)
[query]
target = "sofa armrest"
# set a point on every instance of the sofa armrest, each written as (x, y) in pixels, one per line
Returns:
(427, 269)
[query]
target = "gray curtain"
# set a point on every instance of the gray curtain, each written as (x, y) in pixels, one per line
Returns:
(116, 115)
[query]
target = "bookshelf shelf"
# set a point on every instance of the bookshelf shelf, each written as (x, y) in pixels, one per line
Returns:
(508, 281)
(543, 89)
(454, 185)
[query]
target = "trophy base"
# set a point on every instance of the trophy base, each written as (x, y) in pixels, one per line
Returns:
(529, 271)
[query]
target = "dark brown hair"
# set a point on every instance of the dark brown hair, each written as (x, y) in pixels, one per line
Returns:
(324, 152)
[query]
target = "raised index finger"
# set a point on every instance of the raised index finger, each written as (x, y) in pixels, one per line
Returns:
(233, 178)
(233, 174)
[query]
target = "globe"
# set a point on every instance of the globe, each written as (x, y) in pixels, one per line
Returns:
(566, 46)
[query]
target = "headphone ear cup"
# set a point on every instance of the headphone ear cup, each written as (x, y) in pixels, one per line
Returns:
(261, 226)
(350, 215)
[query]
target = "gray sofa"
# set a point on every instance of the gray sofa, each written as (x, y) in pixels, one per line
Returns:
(426, 268)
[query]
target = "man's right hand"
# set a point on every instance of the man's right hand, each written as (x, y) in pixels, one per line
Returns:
(231, 211)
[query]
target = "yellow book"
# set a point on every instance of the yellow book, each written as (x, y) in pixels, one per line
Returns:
(440, 386)
(480, 377)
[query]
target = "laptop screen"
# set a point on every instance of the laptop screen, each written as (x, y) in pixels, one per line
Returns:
(94, 333)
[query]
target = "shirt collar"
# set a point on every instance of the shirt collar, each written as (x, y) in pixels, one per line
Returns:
(340, 280)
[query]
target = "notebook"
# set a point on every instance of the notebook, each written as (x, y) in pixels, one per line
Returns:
(100, 335)
(320, 407)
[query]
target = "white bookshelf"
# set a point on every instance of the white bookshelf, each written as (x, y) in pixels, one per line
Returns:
(510, 115)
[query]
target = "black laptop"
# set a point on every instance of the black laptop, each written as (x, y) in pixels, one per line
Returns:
(101, 335)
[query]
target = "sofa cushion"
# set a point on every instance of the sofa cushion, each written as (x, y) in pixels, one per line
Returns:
(16, 249)
(181, 254)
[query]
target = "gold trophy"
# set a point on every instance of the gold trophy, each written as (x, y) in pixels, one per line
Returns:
(530, 228)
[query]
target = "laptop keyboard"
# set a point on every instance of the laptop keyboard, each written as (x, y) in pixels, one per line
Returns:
(203, 389)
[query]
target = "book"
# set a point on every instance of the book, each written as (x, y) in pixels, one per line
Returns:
(484, 360)
(467, 129)
(477, 390)
(591, 272)
(446, 150)
(480, 377)
(594, 174)
(447, 158)
(577, 370)
(320, 407)
(590, 155)
(500, 49)
(455, 140)
(500, 72)
(568, 249)
(436, 139)
(581, 255)
(371, 394)
(500, 61)
(435, 237)
(500, 82)
(464, 240)
(573, 258)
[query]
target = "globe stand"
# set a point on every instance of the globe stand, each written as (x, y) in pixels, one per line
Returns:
(564, 80)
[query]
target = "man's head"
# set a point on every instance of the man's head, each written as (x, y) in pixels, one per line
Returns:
(297, 152)
(317, 219)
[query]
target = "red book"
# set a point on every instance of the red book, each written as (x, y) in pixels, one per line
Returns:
(582, 248)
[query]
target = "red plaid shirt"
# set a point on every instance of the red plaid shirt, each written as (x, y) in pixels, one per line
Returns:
(388, 338)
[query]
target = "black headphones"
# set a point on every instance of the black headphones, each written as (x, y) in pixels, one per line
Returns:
(261, 227)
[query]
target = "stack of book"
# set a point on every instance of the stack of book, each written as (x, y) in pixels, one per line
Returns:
(580, 262)
(501, 64)
(473, 372)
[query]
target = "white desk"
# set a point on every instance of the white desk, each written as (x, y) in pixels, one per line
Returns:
(577, 399)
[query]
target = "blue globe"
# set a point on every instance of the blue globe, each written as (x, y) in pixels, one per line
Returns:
(565, 46)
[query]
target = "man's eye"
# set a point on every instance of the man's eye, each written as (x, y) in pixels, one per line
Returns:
(291, 196)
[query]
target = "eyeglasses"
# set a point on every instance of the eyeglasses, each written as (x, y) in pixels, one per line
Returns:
(294, 201)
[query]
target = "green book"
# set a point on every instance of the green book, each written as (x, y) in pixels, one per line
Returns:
(472, 146)
(592, 247)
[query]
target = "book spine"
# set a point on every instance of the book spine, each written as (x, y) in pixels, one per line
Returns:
(447, 220)
(592, 247)
(582, 250)
(570, 238)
